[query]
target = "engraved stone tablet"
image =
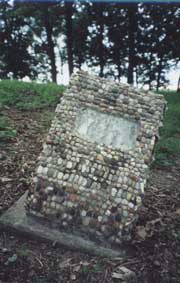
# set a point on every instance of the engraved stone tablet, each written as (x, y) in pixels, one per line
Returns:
(93, 168)
(105, 129)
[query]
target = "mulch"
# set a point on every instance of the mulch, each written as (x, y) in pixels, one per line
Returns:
(156, 237)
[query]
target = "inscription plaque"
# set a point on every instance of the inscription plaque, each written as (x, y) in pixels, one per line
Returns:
(106, 129)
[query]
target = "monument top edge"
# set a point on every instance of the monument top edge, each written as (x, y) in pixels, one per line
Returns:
(112, 85)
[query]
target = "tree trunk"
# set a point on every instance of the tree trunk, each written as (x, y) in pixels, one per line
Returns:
(119, 72)
(69, 34)
(137, 78)
(101, 51)
(131, 42)
(101, 46)
(151, 72)
(50, 51)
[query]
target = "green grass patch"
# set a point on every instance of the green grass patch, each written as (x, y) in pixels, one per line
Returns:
(46, 119)
(7, 129)
(29, 96)
(167, 149)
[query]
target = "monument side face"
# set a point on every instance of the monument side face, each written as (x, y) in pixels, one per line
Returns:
(92, 171)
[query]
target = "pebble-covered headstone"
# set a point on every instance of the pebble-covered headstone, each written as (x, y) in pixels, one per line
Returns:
(92, 171)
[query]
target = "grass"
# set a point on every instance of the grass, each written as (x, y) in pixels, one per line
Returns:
(7, 129)
(167, 149)
(46, 119)
(26, 96)
(29, 96)
(33, 96)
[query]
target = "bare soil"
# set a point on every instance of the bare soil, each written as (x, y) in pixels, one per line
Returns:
(156, 237)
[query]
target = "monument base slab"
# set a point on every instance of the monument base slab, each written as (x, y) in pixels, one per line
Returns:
(16, 220)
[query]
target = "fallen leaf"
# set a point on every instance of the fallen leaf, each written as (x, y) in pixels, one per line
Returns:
(76, 268)
(116, 275)
(84, 263)
(5, 179)
(153, 222)
(141, 232)
(73, 277)
(65, 263)
(12, 258)
(124, 274)
(177, 211)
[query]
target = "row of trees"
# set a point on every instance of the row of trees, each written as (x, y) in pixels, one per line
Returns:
(136, 41)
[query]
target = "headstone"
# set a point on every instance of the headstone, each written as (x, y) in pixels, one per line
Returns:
(92, 171)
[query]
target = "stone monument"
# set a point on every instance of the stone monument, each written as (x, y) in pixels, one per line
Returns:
(92, 171)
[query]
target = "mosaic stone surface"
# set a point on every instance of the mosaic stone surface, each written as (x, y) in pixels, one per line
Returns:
(92, 172)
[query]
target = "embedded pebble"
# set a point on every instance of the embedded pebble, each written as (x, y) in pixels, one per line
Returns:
(69, 165)
(113, 192)
(40, 170)
(83, 213)
(60, 175)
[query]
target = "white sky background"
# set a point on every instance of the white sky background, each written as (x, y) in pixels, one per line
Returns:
(173, 75)
(63, 78)
(63, 73)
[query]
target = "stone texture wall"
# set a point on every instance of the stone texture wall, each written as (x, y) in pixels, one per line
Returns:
(90, 188)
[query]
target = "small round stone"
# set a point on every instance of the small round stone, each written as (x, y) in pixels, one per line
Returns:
(108, 212)
(40, 170)
(129, 196)
(45, 170)
(59, 161)
(49, 189)
(131, 205)
(100, 157)
(83, 213)
(138, 200)
(118, 200)
(60, 175)
(125, 213)
(113, 192)
(113, 209)
(100, 218)
(86, 221)
(50, 172)
(69, 165)
(118, 217)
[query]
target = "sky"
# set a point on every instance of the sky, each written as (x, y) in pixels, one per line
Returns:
(173, 76)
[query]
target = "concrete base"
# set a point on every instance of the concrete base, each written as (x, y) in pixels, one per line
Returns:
(16, 220)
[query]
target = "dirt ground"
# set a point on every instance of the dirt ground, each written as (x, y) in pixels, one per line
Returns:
(156, 237)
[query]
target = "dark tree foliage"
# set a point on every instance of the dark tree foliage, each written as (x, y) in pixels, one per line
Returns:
(134, 41)
(69, 34)
(16, 58)
(80, 36)
(118, 40)
(159, 49)
(47, 27)
(97, 48)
